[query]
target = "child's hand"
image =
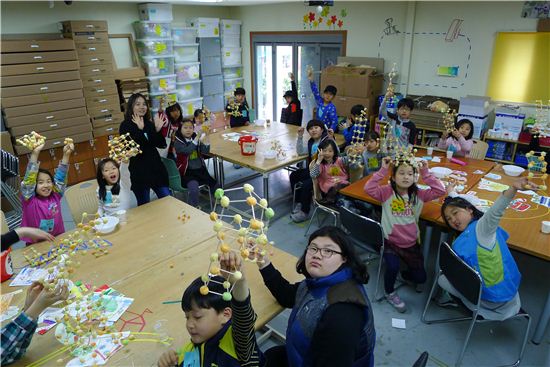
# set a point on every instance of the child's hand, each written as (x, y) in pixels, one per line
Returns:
(422, 164)
(138, 120)
(35, 234)
(320, 156)
(301, 131)
(389, 94)
(386, 161)
(45, 299)
(38, 149)
(230, 262)
(310, 74)
(291, 76)
(330, 133)
(444, 135)
(32, 293)
(524, 184)
(68, 149)
(168, 359)
(456, 133)
(450, 188)
(159, 121)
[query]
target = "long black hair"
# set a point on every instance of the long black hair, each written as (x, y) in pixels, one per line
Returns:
(412, 191)
(102, 182)
(130, 107)
(178, 131)
(172, 108)
(463, 122)
(459, 203)
(324, 144)
(358, 268)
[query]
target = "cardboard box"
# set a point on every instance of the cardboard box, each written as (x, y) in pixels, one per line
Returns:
(85, 49)
(94, 70)
(15, 80)
(46, 67)
(344, 104)
(90, 80)
(479, 122)
(32, 89)
(41, 98)
(54, 143)
(45, 117)
(97, 59)
(37, 57)
(95, 91)
(115, 118)
(43, 107)
(89, 37)
(102, 101)
(101, 111)
(69, 26)
(475, 105)
(51, 125)
(509, 122)
(359, 82)
(37, 45)
(106, 130)
(129, 73)
(64, 133)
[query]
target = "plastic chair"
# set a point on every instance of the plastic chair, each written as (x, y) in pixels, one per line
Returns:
(318, 206)
(81, 198)
(367, 234)
(422, 360)
(479, 150)
(174, 180)
(468, 283)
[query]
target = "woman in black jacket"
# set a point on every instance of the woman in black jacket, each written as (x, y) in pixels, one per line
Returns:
(146, 169)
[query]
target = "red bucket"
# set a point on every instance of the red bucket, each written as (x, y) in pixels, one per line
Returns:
(5, 265)
(248, 144)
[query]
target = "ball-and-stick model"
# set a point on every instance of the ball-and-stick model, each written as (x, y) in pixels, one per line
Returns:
(249, 238)
(233, 108)
(449, 117)
(358, 137)
(542, 123)
(277, 147)
(123, 147)
(537, 163)
(391, 75)
(31, 140)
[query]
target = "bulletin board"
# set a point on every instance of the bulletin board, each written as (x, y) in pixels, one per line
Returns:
(520, 68)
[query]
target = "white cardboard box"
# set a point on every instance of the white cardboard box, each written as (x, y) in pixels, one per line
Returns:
(479, 122)
(509, 122)
(157, 12)
(475, 105)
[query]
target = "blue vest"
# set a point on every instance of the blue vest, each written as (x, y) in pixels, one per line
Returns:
(311, 302)
(501, 277)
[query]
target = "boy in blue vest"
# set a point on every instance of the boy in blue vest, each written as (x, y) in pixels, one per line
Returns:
(326, 110)
(222, 332)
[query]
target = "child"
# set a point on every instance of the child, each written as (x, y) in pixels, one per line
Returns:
(113, 192)
(330, 171)
(317, 132)
(42, 193)
(199, 118)
(460, 141)
(402, 203)
(326, 111)
(349, 127)
(175, 116)
(371, 158)
(222, 332)
(292, 114)
(482, 245)
(17, 335)
(189, 149)
(243, 117)
(403, 128)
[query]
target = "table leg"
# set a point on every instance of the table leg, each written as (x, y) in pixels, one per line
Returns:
(426, 244)
(221, 173)
(542, 325)
(266, 186)
(215, 164)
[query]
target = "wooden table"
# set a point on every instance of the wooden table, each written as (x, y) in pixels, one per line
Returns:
(287, 135)
(165, 266)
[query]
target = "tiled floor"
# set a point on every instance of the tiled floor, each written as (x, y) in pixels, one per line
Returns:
(491, 344)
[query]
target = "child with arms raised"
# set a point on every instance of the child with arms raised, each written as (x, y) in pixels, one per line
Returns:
(42, 193)
(113, 191)
(402, 202)
(482, 245)
(222, 332)
(190, 147)
(403, 129)
(460, 141)
(326, 110)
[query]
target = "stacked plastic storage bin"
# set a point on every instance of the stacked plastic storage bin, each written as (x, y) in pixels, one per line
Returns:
(187, 65)
(231, 56)
(156, 49)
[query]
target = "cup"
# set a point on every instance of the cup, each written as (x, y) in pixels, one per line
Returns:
(430, 151)
(449, 154)
(121, 215)
(545, 226)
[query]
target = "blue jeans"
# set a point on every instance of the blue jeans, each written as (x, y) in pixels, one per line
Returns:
(143, 196)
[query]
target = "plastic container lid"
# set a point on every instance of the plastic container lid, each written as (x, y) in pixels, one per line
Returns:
(154, 77)
(154, 21)
(183, 27)
(187, 63)
(189, 82)
(162, 93)
(232, 79)
(191, 100)
(186, 44)
(154, 39)
(157, 56)
(232, 66)
(231, 21)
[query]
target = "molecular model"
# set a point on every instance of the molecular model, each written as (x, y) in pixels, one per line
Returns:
(537, 163)
(391, 75)
(542, 125)
(31, 140)
(184, 217)
(233, 108)
(449, 120)
(250, 238)
(68, 141)
(122, 148)
(358, 137)
(277, 147)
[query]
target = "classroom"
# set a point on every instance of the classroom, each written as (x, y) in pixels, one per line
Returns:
(275, 183)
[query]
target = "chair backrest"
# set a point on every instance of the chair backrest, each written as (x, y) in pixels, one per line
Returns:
(81, 198)
(462, 277)
(479, 150)
(422, 360)
(174, 178)
(5, 227)
(363, 230)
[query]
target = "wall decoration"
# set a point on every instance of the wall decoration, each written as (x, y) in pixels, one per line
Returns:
(451, 71)
(390, 28)
(312, 20)
(536, 9)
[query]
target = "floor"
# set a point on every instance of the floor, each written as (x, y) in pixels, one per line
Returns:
(490, 345)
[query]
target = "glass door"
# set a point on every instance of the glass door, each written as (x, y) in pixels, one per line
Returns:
(264, 81)
(283, 67)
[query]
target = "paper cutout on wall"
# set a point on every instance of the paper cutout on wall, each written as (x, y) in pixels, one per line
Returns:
(454, 30)
(451, 71)
(311, 20)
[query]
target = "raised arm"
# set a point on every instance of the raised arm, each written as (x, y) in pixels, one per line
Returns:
(28, 185)
(373, 186)
(280, 288)
(315, 92)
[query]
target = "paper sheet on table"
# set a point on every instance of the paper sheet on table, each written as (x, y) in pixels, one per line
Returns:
(398, 323)
(27, 276)
(541, 200)
(115, 306)
(5, 300)
(10, 313)
(527, 192)
(478, 172)
(493, 176)
(491, 186)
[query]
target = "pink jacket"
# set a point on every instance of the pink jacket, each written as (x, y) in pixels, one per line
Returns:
(332, 174)
(400, 218)
(460, 147)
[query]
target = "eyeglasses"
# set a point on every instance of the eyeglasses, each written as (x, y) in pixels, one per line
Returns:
(325, 252)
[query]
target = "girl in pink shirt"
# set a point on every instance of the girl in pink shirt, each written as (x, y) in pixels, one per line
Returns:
(460, 141)
(402, 203)
(330, 170)
(41, 194)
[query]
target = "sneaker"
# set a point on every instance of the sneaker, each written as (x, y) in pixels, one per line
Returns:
(299, 217)
(396, 301)
(297, 208)
(419, 288)
(445, 300)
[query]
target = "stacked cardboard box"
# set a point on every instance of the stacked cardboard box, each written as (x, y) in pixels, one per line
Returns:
(96, 69)
(356, 85)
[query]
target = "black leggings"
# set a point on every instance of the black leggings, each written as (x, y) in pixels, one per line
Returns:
(305, 193)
